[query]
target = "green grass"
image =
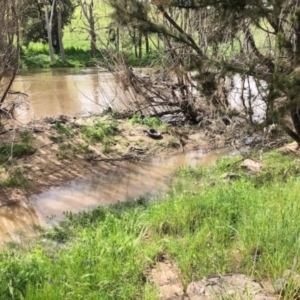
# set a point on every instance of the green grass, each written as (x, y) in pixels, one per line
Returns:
(100, 131)
(152, 122)
(63, 129)
(8, 151)
(37, 56)
(15, 180)
(77, 45)
(248, 225)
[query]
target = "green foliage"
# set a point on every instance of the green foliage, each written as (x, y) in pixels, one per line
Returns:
(33, 21)
(81, 148)
(148, 59)
(64, 129)
(37, 56)
(56, 139)
(15, 151)
(15, 180)
(100, 131)
(231, 226)
(25, 137)
(152, 122)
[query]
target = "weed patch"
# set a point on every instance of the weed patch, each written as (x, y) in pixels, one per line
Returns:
(15, 151)
(152, 122)
(64, 129)
(15, 180)
(100, 131)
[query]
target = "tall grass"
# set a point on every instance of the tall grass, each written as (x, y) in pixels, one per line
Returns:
(248, 225)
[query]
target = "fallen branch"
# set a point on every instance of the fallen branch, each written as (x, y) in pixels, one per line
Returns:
(124, 157)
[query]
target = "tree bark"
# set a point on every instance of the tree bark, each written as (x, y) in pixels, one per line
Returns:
(89, 15)
(140, 44)
(60, 35)
(92, 29)
(49, 28)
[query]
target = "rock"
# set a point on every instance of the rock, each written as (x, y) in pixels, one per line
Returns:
(251, 165)
(253, 140)
(231, 286)
(173, 118)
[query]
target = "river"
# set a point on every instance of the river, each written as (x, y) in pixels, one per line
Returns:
(65, 91)
(74, 91)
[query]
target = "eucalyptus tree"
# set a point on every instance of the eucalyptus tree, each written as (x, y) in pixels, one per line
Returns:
(48, 20)
(9, 46)
(33, 21)
(259, 38)
(90, 17)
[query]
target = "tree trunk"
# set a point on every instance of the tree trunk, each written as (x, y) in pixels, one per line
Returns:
(92, 29)
(147, 43)
(140, 45)
(49, 28)
(117, 40)
(89, 15)
(134, 42)
(60, 35)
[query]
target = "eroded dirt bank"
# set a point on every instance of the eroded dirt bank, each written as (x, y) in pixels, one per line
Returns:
(56, 150)
(52, 151)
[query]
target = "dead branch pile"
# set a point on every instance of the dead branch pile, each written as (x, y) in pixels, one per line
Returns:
(152, 97)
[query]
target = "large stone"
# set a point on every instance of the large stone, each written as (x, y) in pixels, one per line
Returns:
(231, 286)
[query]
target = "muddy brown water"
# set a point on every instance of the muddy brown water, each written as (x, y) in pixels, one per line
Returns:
(121, 184)
(66, 91)
(80, 91)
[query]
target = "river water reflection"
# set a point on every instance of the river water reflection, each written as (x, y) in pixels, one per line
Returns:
(68, 91)
(74, 91)
(121, 184)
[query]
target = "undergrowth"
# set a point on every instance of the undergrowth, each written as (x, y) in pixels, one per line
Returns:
(247, 225)
(100, 131)
(11, 150)
(146, 120)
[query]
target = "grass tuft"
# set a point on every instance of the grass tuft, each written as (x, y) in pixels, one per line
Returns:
(100, 131)
(15, 151)
(152, 122)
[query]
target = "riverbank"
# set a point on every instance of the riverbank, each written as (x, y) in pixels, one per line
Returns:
(37, 56)
(216, 220)
(52, 151)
